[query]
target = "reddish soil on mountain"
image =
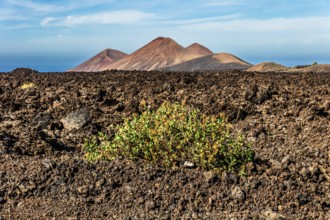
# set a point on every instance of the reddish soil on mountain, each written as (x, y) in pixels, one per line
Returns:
(213, 62)
(159, 53)
(100, 61)
(43, 174)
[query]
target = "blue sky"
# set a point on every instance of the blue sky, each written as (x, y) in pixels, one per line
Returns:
(59, 34)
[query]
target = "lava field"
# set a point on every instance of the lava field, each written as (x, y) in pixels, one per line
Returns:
(43, 173)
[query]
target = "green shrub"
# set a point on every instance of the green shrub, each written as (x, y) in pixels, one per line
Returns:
(172, 135)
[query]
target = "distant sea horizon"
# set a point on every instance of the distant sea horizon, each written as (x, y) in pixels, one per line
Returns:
(39, 68)
(63, 68)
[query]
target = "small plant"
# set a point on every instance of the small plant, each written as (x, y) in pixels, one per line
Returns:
(172, 135)
(28, 85)
(315, 63)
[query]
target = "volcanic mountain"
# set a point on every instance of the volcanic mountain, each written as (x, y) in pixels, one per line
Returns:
(267, 67)
(164, 54)
(214, 62)
(159, 53)
(194, 51)
(100, 61)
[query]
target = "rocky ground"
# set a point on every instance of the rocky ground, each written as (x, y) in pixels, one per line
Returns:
(43, 174)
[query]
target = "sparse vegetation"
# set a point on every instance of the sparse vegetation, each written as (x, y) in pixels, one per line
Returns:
(315, 63)
(28, 85)
(171, 135)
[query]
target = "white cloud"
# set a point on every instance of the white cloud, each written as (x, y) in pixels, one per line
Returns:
(48, 20)
(113, 17)
(52, 8)
(308, 24)
(9, 14)
(278, 37)
(35, 6)
(12, 27)
(202, 20)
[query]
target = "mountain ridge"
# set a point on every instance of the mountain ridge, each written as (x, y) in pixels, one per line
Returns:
(160, 52)
(100, 60)
(213, 62)
(164, 53)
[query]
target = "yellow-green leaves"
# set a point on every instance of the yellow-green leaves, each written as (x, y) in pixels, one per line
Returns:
(172, 135)
(28, 85)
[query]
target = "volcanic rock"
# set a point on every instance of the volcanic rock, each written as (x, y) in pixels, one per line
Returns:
(238, 194)
(41, 120)
(271, 215)
(75, 120)
(49, 165)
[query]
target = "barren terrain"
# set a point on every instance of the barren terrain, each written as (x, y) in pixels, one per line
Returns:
(158, 53)
(213, 62)
(100, 61)
(43, 126)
